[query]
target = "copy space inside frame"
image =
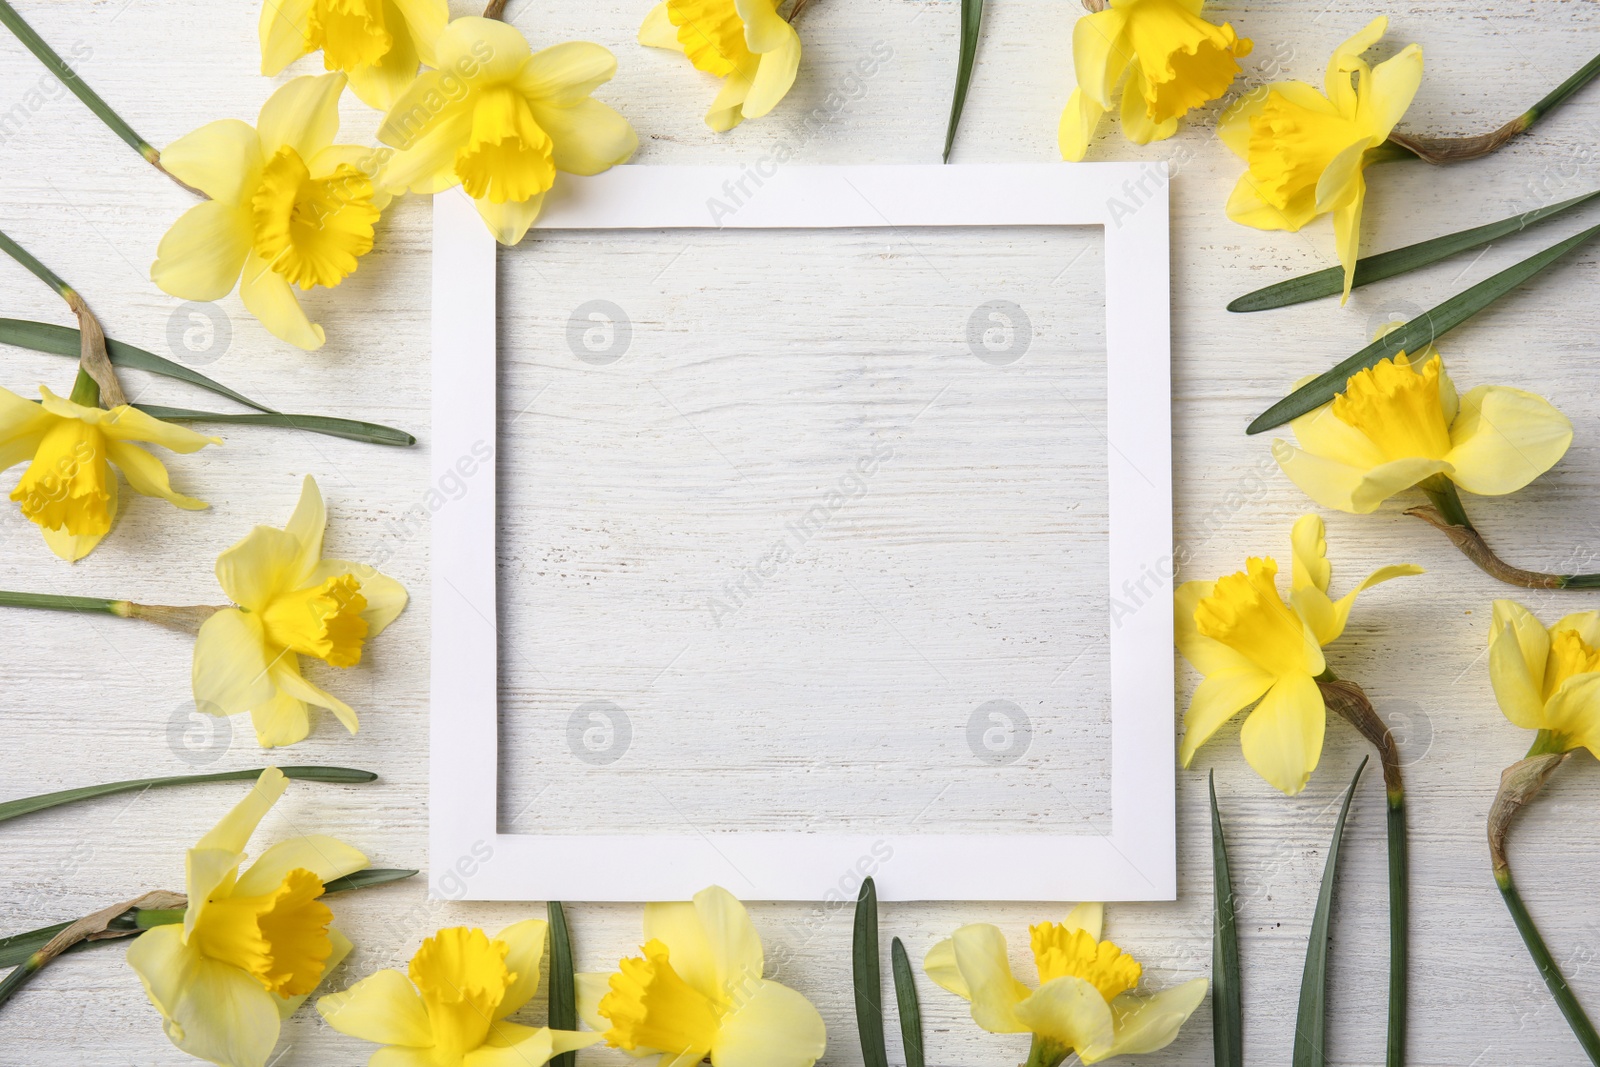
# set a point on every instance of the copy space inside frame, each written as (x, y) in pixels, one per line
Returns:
(476, 852)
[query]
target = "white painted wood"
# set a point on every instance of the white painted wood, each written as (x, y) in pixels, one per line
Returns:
(88, 700)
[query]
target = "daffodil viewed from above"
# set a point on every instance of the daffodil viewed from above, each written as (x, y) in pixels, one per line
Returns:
(1167, 58)
(499, 120)
(1253, 647)
(378, 43)
(288, 208)
(69, 489)
(746, 43)
(1400, 424)
(291, 603)
(1085, 1002)
(253, 943)
(450, 1009)
(1548, 679)
(1307, 151)
(697, 991)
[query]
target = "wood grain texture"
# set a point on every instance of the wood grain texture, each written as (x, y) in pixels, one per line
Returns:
(88, 700)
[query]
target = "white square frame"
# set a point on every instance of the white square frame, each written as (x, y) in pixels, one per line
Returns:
(470, 858)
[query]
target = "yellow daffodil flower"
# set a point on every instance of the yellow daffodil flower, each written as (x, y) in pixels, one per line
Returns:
(291, 603)
(1306, 151)
(451, 1011)
(697, 991)
(1085, 1002)
(499, 120)
(1253, 646)
(1173, 59)
(69, 489)
(1401, 423)
(253, 944)
(378, 43)
(744, 42)
(1548, 679)
(288, 208)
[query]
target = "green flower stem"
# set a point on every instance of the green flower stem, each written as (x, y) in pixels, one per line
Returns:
(1445, 514)
(1045, 1053)
(1554, 981)
(27, 259)
(56, 602)
(93, 359)
(28, 805)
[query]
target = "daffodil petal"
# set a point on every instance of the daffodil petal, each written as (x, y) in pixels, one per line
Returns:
(1079, 120)
(492, 50)
(771, 1026)
(1089, 917)
(385, 597)
(657, 30)
(222, 159)
(1390, 88)
(1248, 207)
(379, 85)
(1339, 64)
(1572, 711)
(1586, 624)
(774, 76)
(384, 1008)
(22, 424)
(508, 222)
(1218, 698)
(230, 664)
(731, 939)
(1310, 545)
(283, 720)
(940, 965)
(1071, 1012)
(306, 525)
(425, 22)
(255, 569)
(1100, 54)
(1145, 1024)
(513, 1045)
(764, 29)
(727, 110)
(565, 74)
(212, 1011)
(591, 987)
(981, 955)
(525, 940)
(303, 114)
(1504, 438)
(1330, 628)
(587, 137)
(283, 33)
(326, 857)
(146, 475)
(1282, 738)
(286, 675)
(1324, 434)
(232, 833)
(1338, 182)
(1344, 488)
(1137, 125)
(1518, 691)
(269, 297)
(400, 1056)
(426, 162)
(201, 256)
(127, 423)
(1347, 232)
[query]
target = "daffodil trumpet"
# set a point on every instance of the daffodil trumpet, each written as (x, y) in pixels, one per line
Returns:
(1440, 150)
(70, 77)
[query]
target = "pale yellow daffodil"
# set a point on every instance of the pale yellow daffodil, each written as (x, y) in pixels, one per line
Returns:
(746, 43)
(69, 489)
(697, 992)
(288, 208)
(1085, 1002)
(451, 1011)
(1252, 646)
(378, 43)
(1548, 679)
(1306, 151)
(291, 603)
(253, 944)
(499, 120)
(1401, 423)
(1168, 59)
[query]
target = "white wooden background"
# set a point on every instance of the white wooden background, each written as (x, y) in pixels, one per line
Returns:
(87, 699)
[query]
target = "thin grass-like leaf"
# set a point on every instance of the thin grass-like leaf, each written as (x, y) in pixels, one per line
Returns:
(1311, 1022)
(1376, 268)
(27, 805)
(372, 876)
(905, 995)
(1416, 334)
(971, 23)
(868, 979)
(563, 988)
(328, 426)
(1227, 1011)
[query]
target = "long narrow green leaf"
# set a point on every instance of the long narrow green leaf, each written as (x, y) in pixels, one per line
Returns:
(1311, 1023)
(868, 978)
(328, 426)
(27, 805)
(372, 876)
(1227, 1010)
(63, 341)
(905, 995)
(1376, 268)
(563, 987)
(1416, 334)
(971, 23)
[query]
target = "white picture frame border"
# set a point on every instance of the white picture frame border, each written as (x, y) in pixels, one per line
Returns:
(469, 858)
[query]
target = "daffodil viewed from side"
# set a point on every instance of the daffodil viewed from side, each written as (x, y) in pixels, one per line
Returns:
(1306, 151)
(697, 991)
(1548, 679)
(450, 1008)
(378, 43)
(69, 489)
(288, 208)
(746, 43)
(1401, 424)
(1085, 1002)
(500, 119)
(1253, 647)
(1168, 59)
(291, 603)
(253, 944)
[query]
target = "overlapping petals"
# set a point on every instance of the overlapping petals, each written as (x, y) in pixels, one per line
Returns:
(378, 44)
(746, 43)
(1548, 679)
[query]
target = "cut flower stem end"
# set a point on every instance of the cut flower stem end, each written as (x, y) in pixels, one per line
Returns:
(1446, 514)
